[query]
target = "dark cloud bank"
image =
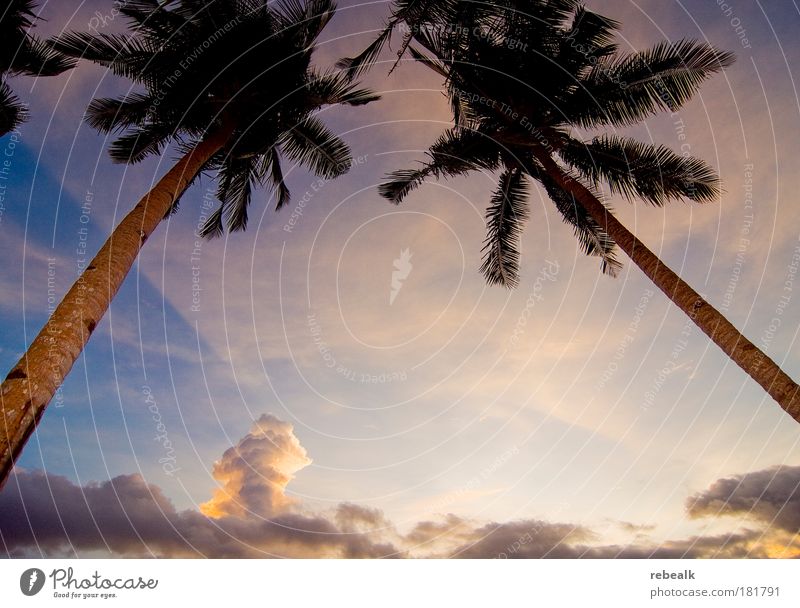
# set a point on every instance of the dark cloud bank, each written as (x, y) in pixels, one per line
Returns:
(250, 515)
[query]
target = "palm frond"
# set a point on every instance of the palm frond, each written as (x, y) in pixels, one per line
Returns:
(213, 226)
(18, 15)
(236, 178)
(309, 18)
(337, 88)
(12, 112)
(593, 240)
(123, 54)
(589, 38)
(37, 58)
(402, 182)
(356, 66)
(282, 194)
(457, 151)
(109, 114)
(437, 66)
(638, 170)
(625, 90)
(100, 48)
(505, 217)
(415, 16)
(202, 65)
(312, 144)
(151, 17)
(137, 144)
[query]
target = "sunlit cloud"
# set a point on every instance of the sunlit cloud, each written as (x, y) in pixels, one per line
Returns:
(250, 515)
(253, 474)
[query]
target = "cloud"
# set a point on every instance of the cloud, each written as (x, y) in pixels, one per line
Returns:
(254, 473)
(49, 515)
(251, 515)
(771, 496)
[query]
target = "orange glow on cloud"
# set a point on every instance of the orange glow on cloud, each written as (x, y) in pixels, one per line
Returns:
(254, 473)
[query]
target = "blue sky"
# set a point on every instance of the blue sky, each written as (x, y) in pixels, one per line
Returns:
(569, 422)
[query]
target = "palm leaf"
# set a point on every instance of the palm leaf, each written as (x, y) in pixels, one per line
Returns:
(593, 240)
(109, 114)
(505, 217)
(457, 151)
(123, 54)
(137, 144)
(337, 88)
(309, 18)
(402, 182)
(37, 58)
(312, 144)
(590, 37)
(638, 170)
(356, 66)
(12, 112)
(625, 90)
(282, 195)
(235, 190)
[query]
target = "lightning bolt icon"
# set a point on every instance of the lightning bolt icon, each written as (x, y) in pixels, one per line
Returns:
(34, 577)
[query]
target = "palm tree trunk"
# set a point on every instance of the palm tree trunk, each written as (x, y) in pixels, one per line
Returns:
(33, 381)
(744, 353)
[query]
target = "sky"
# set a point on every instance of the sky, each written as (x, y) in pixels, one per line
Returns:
(339, 381)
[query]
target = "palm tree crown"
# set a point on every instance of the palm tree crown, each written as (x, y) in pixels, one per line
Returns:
(231, 84)
(202, 68)
(22, 53)
(522, 77)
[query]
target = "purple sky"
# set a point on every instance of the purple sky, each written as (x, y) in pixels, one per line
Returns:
(365, 423)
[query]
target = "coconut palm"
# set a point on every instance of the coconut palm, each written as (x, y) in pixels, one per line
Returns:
(22, 53)
(230, 83)
(523, 77)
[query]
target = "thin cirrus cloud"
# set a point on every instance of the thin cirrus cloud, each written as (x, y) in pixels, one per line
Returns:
(251, 515)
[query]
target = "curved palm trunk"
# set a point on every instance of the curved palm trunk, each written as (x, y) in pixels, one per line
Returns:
(744, 353)
(33, 381)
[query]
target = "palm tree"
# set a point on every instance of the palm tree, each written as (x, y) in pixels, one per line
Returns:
(231, 84)
(522, 77)
(22, 53)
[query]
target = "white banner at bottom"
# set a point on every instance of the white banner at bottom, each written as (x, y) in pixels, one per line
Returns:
(400, 583)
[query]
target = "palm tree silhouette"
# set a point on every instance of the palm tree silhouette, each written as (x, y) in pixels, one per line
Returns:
(231, 83)
(22, 53)
(522, 77)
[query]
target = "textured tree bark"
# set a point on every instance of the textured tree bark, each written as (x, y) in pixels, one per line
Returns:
(33, 381)
(744, 353)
